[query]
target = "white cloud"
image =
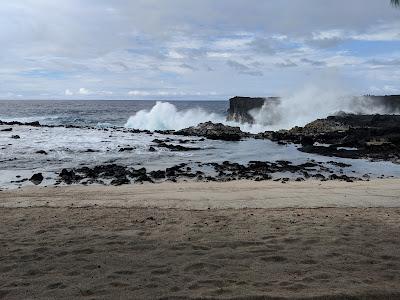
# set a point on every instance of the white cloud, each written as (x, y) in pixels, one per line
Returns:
(84, 91)
(138, 93)
(68, 92)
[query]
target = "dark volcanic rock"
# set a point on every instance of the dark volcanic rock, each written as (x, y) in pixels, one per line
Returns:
(143, 178)
(34, 124)
(41, 152)
(69, 176)
(137, 173)
(374, 137)
(120, 181)
(213, 131)
(126, 149)
(152, 149)
(177, 147)
(37, 178)
(240, 107)
(157, 174)
(6, 129)
(15, 136)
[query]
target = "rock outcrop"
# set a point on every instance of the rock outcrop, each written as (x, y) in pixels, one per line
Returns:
(240, 107)
(214, 131)
(374, 137)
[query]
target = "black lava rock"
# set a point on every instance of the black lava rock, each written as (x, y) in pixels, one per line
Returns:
(37, 178)
(41, 152)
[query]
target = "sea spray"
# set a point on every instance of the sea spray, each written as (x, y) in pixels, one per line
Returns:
(302, 107)
(311, 103)
(165, 116)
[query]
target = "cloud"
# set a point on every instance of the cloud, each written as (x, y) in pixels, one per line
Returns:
(84, 91)
(383, 62)
(186, 66)
(138, 93)
(243, 69)
(313, 62)
(262, 45)
(286, 64)
(68, 92)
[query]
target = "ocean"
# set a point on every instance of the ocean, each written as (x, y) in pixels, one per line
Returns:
(94, 112)
(76, 147)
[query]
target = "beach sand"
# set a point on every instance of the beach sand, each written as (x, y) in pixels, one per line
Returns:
(240, 240)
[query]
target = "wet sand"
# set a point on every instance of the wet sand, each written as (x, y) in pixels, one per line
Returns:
(74, 247)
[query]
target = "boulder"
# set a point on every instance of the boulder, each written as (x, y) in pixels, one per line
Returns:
(214, 131)
(41, 152)
(37, 178)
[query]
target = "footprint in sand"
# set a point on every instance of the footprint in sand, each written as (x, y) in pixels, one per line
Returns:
(83, 251)
(309, 262)
(124, 272)
(57, 285)
(4, 293)
(198, 267)
(274, 258)
(206, 284)
(161, 271)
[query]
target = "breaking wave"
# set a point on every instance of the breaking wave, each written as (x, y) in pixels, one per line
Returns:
(165, 116)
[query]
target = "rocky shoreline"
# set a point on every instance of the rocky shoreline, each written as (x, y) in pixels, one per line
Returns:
(373, 137)
(282, 171)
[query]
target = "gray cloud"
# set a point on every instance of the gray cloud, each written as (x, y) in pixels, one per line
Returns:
(286, 64)
(381, 62)
(314, 62)
(243, 69)
(262, 45)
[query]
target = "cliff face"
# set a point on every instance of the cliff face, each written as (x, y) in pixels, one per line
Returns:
(239, 108)
(388, 104)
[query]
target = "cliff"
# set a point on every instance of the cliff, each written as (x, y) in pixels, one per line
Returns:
(239, 108)
(388, 104)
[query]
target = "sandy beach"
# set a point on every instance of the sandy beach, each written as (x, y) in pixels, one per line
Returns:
(243, 240)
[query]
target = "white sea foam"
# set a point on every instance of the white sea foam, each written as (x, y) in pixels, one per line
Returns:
(165, 116)
(29, 119)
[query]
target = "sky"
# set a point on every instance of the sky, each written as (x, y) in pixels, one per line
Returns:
(191, 49)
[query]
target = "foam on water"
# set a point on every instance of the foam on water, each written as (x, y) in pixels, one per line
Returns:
(165, 116)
